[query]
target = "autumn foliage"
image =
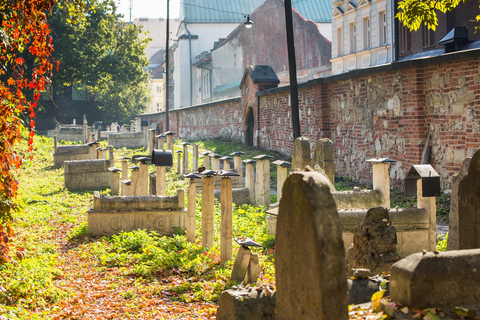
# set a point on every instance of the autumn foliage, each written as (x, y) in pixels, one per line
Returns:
(24, 36)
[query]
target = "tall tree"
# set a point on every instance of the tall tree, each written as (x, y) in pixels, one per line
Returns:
(105, 56)
(413, 12)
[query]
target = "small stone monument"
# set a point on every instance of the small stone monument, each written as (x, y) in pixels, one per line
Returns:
(374, 243)
(452, 242)
(301, 153)
(324, 156)
(469, 206)
(310, 256)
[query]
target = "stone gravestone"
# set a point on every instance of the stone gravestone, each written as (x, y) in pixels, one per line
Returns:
(324, 157)
(310, 257)
(469, 206)
(301, 153)
(452, 241)
(374, 243)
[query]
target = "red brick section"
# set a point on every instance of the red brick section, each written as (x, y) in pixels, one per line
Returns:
(386, 114)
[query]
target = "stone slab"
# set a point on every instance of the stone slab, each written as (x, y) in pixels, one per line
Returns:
(450, 278)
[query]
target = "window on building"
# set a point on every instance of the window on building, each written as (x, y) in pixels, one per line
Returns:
(366, 33)
(206, 84)
(353, 38)
(406, 45)
(382, 18)
(158, 107)
(339, 42)
(158, 89)
(428, 37)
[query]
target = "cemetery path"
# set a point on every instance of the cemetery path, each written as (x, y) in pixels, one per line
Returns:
(109, 293)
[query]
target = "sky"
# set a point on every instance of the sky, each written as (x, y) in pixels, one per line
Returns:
(148, 8)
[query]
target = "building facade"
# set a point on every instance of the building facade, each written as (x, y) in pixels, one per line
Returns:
(362, 34)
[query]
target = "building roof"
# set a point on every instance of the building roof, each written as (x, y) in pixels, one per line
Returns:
(233, 11)
(260, 74)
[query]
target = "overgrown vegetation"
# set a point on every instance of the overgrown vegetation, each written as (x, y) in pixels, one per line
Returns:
(59, 271)
(56, 260)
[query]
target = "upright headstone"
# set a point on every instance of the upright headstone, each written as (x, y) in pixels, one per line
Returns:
(237, 165)
(84, 130)
(282, 170)
(185, 157)
(469, 206)
(310, 257)
(301, 153)
(262, 181)
(250, 178)
(452, 241)
(208, 206)
(324, 156)
(160, 181)
(195, 157)
(191, 208)
(169, 135)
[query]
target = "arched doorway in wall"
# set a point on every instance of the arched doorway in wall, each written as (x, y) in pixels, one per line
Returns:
(250, 124)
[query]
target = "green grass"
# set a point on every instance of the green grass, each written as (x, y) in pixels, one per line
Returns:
(52, 216)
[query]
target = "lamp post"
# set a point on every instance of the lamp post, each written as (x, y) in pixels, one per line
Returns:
(167, 71)
(292, 68)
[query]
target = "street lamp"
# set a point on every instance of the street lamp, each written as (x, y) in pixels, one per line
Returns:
(248, 24)
(167, 69)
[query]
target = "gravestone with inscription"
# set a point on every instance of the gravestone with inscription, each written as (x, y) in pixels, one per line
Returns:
(310, 257)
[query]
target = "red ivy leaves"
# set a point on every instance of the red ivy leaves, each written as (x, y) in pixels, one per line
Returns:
(23, 25)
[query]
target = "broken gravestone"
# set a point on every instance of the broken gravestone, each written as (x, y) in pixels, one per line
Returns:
(301, 153)
(310, 257)
(324, 157)
(247, 303)
(374, 243)
(452, 242)
(469, 206)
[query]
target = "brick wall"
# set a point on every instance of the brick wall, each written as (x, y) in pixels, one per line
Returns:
(383, 111)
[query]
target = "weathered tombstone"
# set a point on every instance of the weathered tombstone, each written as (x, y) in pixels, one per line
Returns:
(381, 178)
(250, 178)
(114, 187)
(185, 157)
(215, 161)
(301, 153)
(324, 156)
(191, 209)
(237, 165)
(206, 160)
(437, 279)
(469, 206)
(169, 135)
(151, 139)
(262, 180)
(452, 241)
(251, 304)
(226, 226)
(195, 157)
(161, 159)
(310, 256)
(142, 185)
(282, 169)
(179, 161)
(208, 206)
(374, 243)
